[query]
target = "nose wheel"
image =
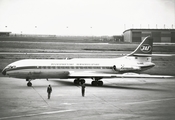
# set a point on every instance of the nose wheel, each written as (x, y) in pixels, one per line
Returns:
(29, 84)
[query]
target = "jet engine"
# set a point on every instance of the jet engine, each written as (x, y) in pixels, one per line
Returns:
(123, 68)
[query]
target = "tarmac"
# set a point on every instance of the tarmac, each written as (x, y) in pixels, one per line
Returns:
(118, 99)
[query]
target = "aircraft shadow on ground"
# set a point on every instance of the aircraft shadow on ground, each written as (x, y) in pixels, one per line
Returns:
(114, 86)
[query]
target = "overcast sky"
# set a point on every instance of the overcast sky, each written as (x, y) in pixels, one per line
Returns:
(84, 17)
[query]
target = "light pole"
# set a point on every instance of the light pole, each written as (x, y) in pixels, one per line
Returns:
(35, 30)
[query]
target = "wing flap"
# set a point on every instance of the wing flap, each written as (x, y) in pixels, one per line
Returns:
(90, 75)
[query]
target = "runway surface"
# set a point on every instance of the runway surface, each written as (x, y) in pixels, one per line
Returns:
(65, 53)
(118, 99)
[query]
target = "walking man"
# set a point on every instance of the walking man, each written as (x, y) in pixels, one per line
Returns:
(49, 91)
(83, 89)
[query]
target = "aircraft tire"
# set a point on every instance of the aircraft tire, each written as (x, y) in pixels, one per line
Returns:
(29, 84)
(100, 83)
(94, 83)
(83, 81)
(76, 82)
(97, 83)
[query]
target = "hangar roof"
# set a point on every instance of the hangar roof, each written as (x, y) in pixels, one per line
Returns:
(149, 30)
(5, 32)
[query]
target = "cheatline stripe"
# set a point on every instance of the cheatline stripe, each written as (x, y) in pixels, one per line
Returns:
(59, 67)
(68, 67)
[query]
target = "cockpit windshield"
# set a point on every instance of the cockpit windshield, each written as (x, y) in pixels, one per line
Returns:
(8, 68)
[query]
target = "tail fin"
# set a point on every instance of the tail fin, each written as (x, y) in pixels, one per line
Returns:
(144, 49)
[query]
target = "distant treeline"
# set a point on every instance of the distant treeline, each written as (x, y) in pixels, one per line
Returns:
(114, 38)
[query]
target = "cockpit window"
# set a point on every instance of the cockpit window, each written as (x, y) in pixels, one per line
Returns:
(8, 68)
(11, 67)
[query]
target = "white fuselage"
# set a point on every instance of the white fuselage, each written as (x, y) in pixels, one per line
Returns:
(61, 68)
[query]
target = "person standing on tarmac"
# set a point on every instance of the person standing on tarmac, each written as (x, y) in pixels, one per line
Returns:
(49, 91)
(83, 89)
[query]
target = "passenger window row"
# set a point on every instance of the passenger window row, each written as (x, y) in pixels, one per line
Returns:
(73, 67)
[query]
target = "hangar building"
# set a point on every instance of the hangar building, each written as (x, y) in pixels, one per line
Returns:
(5, 33)
(159, 35)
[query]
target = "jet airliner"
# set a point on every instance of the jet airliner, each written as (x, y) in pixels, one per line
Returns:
(81, 68)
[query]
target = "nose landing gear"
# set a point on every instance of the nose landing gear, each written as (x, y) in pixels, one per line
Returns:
(29, 84)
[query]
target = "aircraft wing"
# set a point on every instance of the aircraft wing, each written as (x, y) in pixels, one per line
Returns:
(134, 75)
(106, 75)
(154, 55)
(90, 75)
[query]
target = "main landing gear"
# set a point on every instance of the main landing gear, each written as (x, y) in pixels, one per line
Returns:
(97, 82)
(79, 81)
(29, 84)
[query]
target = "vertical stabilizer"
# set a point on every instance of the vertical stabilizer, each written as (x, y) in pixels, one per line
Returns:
(144, 49)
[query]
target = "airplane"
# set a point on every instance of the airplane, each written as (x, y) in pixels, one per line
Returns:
(80, 68)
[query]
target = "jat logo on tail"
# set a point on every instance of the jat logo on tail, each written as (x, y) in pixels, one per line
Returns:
(145, 48)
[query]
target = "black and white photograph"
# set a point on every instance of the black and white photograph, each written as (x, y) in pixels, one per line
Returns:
(87, 59)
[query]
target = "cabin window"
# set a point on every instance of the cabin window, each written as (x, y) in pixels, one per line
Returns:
(76, 67)
(62, 67)
(104, 67)
(81, 67)
(11, 67)
(66, 67)
(107, 67)
(95, 67)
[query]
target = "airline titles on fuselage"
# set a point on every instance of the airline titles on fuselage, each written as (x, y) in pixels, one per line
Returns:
(74, 64)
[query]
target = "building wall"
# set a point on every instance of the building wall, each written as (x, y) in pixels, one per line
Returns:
(159, 35)
(5, 33)
(173, 37)
(136, 36)
(128, 36)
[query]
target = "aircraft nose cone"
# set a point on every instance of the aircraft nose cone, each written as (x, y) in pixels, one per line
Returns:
(4, 72)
